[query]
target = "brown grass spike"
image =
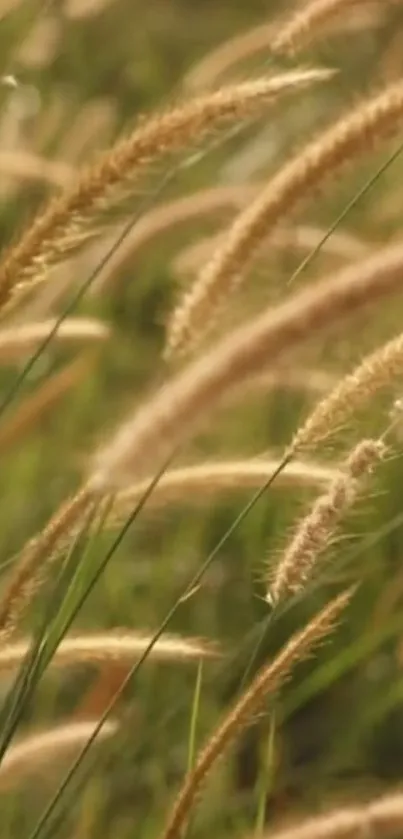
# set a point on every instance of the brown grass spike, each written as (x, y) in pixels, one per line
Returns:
(377, 817)
(268, 680)
(178, 409)
(375, 371)
(355, 132)
(38, 553)
(59, 225)
(315, 530)
(304, 23)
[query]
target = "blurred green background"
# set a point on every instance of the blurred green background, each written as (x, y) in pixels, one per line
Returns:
(85, 71)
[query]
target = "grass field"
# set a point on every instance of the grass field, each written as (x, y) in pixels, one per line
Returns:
(201, 285)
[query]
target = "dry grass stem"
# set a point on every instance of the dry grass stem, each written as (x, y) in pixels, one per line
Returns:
(315, 531)
(378, 817)
(197, 483)
(376, 371)
(52, 744)
(341, 245)
(267, 682)
(178, 409)
(354, 133)
(37, 405)
(120, 646)
(20, 340)
(57, 228)
(36, 557)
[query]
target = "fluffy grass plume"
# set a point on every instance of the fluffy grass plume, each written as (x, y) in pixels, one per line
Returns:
(267, 682)
(198, 482)
(57, 227)
(30, 167)
(341, 245)
(376, 370)
(352, 134)
(162, 218)
(298, 29)
(38, 553)
(315, 531)
(51, 745)
(303, 25)
(206, 72)
(119, 645)
(22, 339)
(377, 817)
(179, 408)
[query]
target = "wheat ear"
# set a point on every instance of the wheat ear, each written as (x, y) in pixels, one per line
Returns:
(52, 743)
(268, 680)
(377, 817)
(38, 553)
(172, 416)
(120, 645)
(314, 532)
(352, 134)
(376, 370)
(57, 228)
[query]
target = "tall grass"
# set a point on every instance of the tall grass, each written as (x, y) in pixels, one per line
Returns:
(164, 521)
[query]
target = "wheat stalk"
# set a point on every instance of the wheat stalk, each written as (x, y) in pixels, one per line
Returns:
(178, 409)
(268, 680)
(354, 133)
(57, 228)
(314, 532)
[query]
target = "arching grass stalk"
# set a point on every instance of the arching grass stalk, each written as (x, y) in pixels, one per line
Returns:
(307, 261)
(99, 268)
(81, 292)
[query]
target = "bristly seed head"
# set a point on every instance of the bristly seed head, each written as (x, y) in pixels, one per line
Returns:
(315, 531)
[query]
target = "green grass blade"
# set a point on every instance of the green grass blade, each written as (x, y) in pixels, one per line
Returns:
(369, 184)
